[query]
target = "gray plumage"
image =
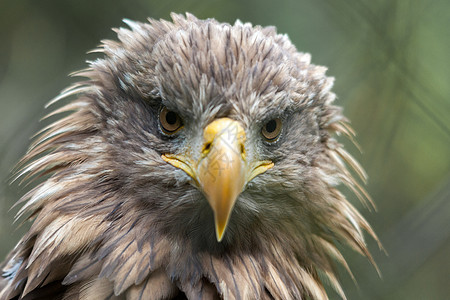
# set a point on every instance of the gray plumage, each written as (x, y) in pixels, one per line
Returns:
(114, 220)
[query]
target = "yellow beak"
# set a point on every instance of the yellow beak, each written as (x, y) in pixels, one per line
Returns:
(222, 170)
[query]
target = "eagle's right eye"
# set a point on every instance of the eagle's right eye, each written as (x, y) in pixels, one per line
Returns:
(170, 122)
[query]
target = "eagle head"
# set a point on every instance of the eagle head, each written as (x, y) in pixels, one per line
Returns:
(197, 159)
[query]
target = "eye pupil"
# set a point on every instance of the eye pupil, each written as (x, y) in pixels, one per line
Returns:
(271, 126)
(171, 118)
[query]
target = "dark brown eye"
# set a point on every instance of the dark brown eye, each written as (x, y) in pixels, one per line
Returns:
(170, 121)
(271, 130)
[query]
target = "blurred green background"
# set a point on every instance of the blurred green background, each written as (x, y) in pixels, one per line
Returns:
(391, 60)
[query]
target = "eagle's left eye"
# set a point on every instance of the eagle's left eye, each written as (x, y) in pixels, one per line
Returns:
(271, 130)
(170, 121)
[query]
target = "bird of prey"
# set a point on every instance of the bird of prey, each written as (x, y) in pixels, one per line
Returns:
(195, 160)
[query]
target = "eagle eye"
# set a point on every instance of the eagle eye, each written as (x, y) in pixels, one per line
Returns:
(271, 130)
(170, 121)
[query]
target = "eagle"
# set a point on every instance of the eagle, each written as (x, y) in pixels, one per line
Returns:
(193, 160)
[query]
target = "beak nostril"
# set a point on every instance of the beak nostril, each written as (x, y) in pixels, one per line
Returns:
(206, 148)
(242, 151)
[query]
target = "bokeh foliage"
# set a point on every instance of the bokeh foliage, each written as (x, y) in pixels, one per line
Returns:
(391, 60)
